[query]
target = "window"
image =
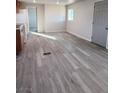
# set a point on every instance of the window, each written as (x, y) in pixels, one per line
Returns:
(70, 14)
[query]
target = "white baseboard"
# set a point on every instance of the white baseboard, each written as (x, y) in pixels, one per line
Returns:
(79, 36)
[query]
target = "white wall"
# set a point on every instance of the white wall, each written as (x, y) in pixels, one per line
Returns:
(40, 14)
(51, 18)
(55, 18)
(22, 18)
(40, 18)
(81, 26)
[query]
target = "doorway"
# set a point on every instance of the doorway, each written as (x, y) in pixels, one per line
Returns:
(32, 15)
(100, 23)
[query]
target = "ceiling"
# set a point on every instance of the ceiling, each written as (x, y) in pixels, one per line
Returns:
(63, 2)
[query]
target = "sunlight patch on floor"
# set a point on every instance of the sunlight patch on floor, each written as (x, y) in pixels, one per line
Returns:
(43, 35)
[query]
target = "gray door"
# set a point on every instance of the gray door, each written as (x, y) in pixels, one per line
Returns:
(32, 14)
(100, 23)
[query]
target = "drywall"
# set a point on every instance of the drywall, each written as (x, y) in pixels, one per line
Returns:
(40, 14)
(81, 26)
(55, 18)
(50, 18)
(22, 18)
(40, 18)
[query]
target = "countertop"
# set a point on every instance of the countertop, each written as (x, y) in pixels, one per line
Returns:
(19, 26)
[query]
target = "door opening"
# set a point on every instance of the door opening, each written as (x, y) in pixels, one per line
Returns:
(32, 15)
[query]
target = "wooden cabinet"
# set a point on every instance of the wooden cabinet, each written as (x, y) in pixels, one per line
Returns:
(17, 6)
(20, 37)
(18, 42)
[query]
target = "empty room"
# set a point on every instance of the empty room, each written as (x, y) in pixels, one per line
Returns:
(61, 46)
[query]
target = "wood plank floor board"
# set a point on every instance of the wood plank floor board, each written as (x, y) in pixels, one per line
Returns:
(74, 65)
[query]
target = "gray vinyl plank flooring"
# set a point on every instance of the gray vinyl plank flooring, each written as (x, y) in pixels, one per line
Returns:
(74, 65)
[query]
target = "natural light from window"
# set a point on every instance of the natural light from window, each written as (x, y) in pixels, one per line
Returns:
(70, 14)
(44, 35)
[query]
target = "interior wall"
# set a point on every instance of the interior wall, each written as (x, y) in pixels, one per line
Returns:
(55, 18)
(51, 18)
(81, 26)
(40, 14)
(40, 18)
(22, 18)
